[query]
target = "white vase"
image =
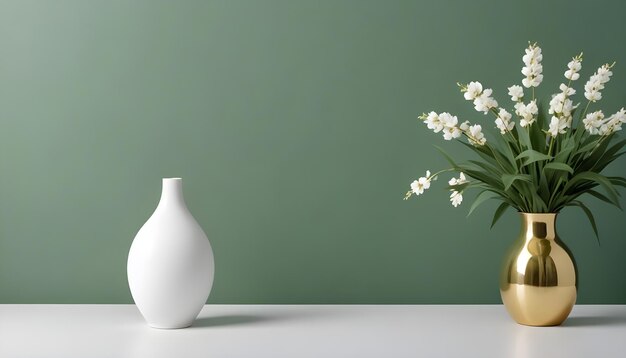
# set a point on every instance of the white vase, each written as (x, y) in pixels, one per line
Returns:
(170, 263)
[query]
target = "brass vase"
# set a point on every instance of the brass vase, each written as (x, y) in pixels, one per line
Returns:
(538, 279)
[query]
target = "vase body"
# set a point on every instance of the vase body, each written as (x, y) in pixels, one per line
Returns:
(538, 278)
(170, 263)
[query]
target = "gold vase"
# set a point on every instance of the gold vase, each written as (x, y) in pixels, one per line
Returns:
(538, 279)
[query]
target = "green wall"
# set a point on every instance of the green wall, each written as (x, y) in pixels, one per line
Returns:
(293, 124)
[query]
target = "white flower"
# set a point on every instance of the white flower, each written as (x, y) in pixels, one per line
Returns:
(448, 120)
(418, 186)
(506, 116)
(465, 126)
(433, 122)
(575, 64)
(606, 129)
(532, 82)
(504, 126)
(443, 122)
(527, 112)
(450, 133)
(456, 198)
(573, 67)
(485, 102)
(476, 136)
(596, 83)
(482, 99)
(459, 181)
(613, 123)
(474, 89)
(620, 116)
(531, 69)
(593, 88)
(556, 103)
(558, 126)
(605, 72)
(561, 104)
(533, 54)
(571, 75)
(516, 92)
(449, 123)
(503, 122)
(568, 91)
(480, 105)
(532, 66)
(593, 122)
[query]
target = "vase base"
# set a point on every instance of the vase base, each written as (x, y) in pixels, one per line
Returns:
(539, 325)
(173, 326)
(539, 306)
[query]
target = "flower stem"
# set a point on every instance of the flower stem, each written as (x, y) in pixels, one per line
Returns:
(550, 148)
(519, 150)
(585, 111)
(442, 171)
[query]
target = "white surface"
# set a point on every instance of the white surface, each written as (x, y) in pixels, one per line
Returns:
(308, 331)
(170, 263)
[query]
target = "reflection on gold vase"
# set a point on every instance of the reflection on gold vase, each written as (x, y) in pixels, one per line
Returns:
(538, 279)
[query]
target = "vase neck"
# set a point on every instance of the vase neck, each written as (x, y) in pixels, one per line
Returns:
(172, 192)
(540, 226)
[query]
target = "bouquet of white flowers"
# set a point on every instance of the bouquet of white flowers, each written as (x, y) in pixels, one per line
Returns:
(536, 165)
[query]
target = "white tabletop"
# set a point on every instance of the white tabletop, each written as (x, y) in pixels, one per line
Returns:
(308, 331)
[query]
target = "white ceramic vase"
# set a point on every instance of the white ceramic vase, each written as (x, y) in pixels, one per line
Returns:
(170, 263)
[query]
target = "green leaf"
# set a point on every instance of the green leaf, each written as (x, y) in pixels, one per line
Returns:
(589, 162)
(588, 147)
(490, 156)
(499, 211)
(507, 165)
(544, 188)
(524, 138)
(559, 166)
(610, 155)
(532, 156)
(616, 147)
(604, 162)
(618, 181)
(447, 156)
(565, 150)
(536, 133)
(580, 183)
(509, 179)
(538, 205)
(557, 196)
(579, 132)
(480, 198)
(487, 167)
(589, 216)
(504, 141)
(604, 198)
(486, 178)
